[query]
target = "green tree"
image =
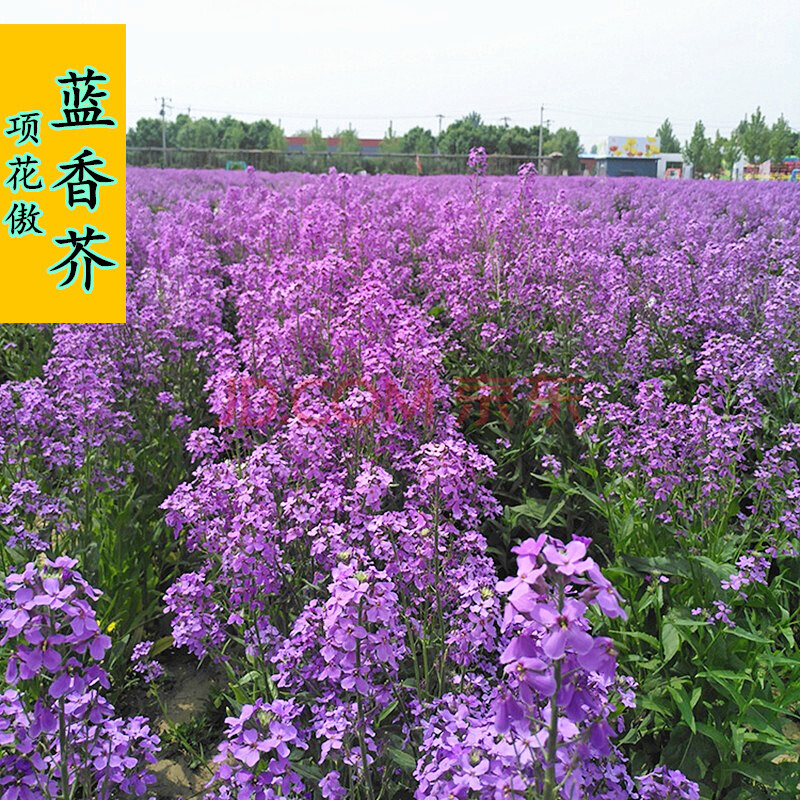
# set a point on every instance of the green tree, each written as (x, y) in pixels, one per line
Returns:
(474, 119)
(256, 135)
(731, 151)
(315, 142)
(201, 133)
(567, 142)
(174, 129)
(519, 141)
(419, 140)
(391, 142)
(754, 136)
(781, 140)
(348, 140)
(462, 135)
(277, 139)
(669, 141)
(230, 133)
(147, 133)
(696, 150)
(715, 155)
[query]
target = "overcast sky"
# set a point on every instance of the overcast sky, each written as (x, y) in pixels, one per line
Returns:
(610, 67)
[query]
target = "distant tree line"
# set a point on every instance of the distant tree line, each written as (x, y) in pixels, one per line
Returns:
(752, 138)
(207, 133)
(470, 131)
(458, 138)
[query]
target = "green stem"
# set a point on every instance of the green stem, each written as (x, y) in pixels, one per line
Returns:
(362, 743)
(62, 742)
(552, 741)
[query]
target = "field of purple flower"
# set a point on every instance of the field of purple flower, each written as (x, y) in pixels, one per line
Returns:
(470, 488)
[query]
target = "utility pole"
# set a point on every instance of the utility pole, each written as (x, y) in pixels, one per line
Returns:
(163, 114)
(436, 146)
(505, 120)
(541, 124)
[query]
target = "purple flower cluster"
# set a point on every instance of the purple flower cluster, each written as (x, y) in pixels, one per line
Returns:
(143, 665)
(550, 722)
(254, 758)
(477, 160)
(57, 731)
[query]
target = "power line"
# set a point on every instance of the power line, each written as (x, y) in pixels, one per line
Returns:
(324, 116)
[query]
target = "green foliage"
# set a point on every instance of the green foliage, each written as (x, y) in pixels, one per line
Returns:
(147, 133)
(231, 133)
(464, 134)
(715, 701)
(731, 151)
(519, 141)
(227, 133)
(277, 140)
(201, 133)
(316, 143)
(470, 131)
(781, 140)
(174, 129)
(256, 135)
(348, 141)
(754, 137)
(419, 140)
(566, 142)
(24, 349)
(392, 143)
(669, 141)
(715, 156)
(696, 150)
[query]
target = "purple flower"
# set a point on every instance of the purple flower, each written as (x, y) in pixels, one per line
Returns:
(477, 160)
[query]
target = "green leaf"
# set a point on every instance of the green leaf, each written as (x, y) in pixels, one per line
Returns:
(164, 643)
(720, 570)
(670, 640)
(308, 770)
(387, 711)
(403, 760)
(716, 736)
(684, 706)
(552, 511)
(530, 508)
(737, 734)
(645, 637)
(652, 703)
(249, 677)
(751, 637)
(627, 528)
(598, 503)
(665, 565)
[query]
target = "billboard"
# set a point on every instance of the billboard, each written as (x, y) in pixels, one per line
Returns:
(631, 146)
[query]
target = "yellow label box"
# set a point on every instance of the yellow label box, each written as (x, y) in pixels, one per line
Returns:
(62, 161)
